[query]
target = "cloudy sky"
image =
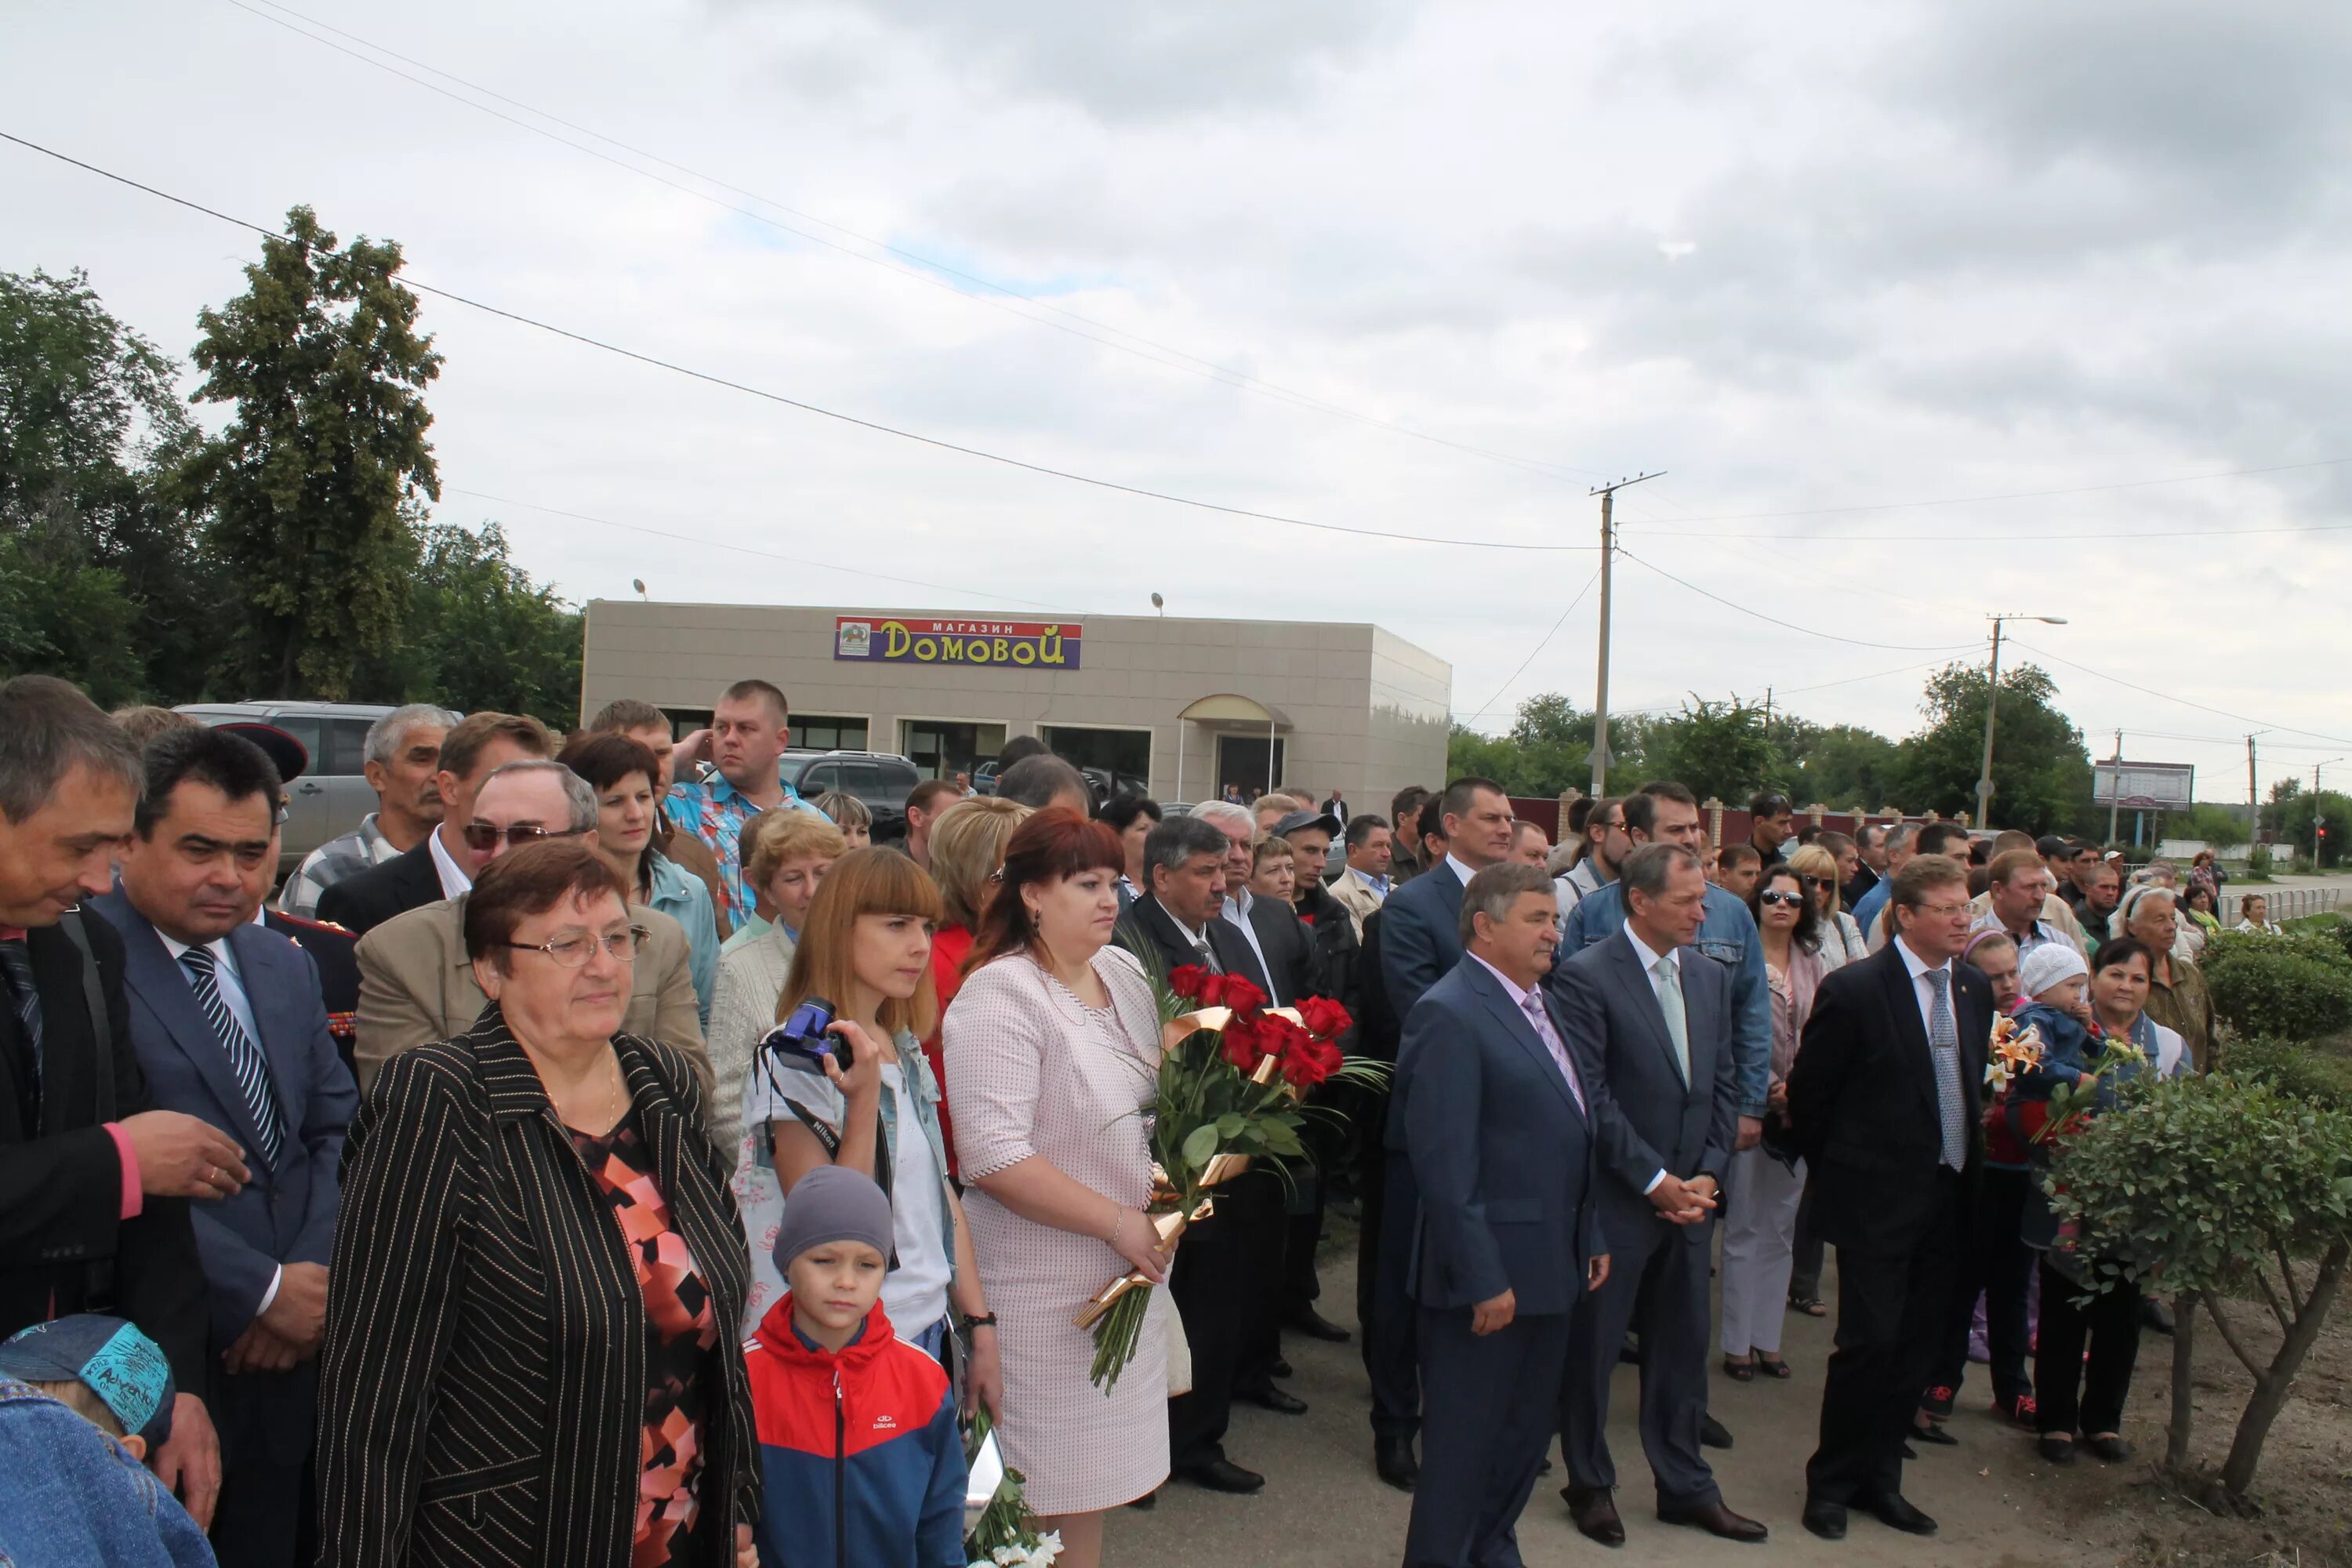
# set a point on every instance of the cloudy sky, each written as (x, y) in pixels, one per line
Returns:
(1925, 311)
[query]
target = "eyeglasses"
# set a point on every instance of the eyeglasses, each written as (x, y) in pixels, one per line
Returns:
(1942, 912)
(1777, 897)
(484, 836)
(1810, 881)
(574, 951)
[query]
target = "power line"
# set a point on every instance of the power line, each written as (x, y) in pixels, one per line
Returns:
(1192, 364)
(1792, 626)
(806, 407)
(2184, 702)
(1539, 646)
(745, 549)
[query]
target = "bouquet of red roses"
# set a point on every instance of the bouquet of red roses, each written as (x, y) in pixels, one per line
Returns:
(1232, 1074)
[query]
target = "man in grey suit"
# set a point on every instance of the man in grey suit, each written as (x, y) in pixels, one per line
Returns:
(226, 1017)
(1491, 1114)
(1655, 1034)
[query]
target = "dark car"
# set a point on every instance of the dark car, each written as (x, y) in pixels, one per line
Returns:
(881, 779)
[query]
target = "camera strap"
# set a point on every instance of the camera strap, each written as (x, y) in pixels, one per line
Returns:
(829, 1138)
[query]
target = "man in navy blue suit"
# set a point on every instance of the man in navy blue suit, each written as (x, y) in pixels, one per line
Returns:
(228, 1023)
(1420, 943)
(1493, 1119)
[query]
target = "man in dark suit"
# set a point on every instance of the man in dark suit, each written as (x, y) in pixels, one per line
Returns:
(442, 865)
(1653, 1022)
(1493, 1117)
(229, 1025)
(1420, 944)
(1226, 1268)
(1883, 1104)
(92, 1179)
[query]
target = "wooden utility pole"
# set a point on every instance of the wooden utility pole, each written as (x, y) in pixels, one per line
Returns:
(2116, 787)
(1601, 758)
(2254, 806)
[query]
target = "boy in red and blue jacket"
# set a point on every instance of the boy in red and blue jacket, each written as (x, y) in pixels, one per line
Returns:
(859, 1451)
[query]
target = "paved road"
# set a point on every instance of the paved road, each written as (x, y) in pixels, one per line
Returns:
(1324, 1508)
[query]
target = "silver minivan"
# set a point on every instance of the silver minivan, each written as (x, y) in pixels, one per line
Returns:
(332, 794)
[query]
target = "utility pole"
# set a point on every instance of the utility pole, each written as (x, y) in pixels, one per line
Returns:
(2116, 786)
(1768, 714)
(1992, 702)
(2254, 806)
(1601, 758)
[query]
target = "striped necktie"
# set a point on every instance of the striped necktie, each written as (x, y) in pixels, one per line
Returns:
(16, 967)
(246, 1062)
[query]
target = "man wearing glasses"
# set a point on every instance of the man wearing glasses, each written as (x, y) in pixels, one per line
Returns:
(1605, 847)
(415, 985)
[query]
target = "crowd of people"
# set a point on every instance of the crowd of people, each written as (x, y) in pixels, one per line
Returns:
(603, 1155)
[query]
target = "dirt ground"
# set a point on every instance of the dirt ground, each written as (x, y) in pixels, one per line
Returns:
(1999, 1504)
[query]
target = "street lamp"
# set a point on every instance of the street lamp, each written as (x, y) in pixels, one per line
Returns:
(1992, 702)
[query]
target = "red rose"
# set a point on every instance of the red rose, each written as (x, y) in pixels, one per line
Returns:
(1240, 995)
(1241, 1043)
(1310, 1064)
(1192, 983)
(1325, 1019)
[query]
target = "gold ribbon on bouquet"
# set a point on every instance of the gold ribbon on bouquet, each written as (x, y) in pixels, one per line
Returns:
(1170, 1224)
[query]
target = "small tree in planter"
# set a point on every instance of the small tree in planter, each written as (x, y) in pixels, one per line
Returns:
(2212, 1190)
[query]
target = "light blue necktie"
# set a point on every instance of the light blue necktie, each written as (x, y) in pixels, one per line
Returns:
(1670, 1002)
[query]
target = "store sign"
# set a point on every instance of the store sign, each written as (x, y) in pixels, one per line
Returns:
(1021, 644)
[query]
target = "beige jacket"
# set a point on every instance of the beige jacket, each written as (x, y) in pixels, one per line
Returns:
(418, 987)
(1358, 896)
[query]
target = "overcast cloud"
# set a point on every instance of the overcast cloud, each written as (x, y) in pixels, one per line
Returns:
(1800, 259)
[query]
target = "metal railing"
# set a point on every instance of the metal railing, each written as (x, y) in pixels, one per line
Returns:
(2286, 903)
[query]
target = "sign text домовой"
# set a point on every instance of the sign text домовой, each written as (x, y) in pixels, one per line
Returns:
(1024, 644)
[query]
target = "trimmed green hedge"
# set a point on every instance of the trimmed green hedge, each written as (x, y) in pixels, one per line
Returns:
(2295, 987)
(2321, 1074)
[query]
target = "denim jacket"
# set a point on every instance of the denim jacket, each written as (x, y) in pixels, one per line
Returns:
(75, 1496)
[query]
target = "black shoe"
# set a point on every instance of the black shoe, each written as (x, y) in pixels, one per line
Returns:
(1280, 1368)
(2114, 1450)
(2056, 1447)
(1316, 1326)
(1594, 1509)
(1907, 1451)
(1933, 1433)
(1891, 1511)
(1148, 1501)
(1825, 1518)
(1630, 1353)
(1716, 1521)
(1223, 1476)
(1392, 1456)
(2155, 1314)
(1714, 1434)
(1265, 1396)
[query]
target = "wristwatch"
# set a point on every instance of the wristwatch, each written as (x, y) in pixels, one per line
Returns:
(968, 1322)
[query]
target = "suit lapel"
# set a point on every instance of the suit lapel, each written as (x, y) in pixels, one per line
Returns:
(1636, 979)
(1518, 1026)
(1903, 1001)
(262, 958)
(152, 974)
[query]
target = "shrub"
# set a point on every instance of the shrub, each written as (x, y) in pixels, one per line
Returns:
(2321, 1074)
(2296, 986)
(2212, 1186)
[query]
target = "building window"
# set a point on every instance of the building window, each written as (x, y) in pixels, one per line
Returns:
(1124, 754)
(940, 748)
(826, 732)
(1242, 763)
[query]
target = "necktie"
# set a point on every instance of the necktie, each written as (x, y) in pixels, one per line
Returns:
(17, 965)
(1532, 1003)
(1208, 957)
(1944, 1045)
(246, 1062)
(1670, 1002)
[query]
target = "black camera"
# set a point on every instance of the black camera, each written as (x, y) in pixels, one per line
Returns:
(803, 1034)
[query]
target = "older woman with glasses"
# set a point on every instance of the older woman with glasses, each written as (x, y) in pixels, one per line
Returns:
(532, 1348)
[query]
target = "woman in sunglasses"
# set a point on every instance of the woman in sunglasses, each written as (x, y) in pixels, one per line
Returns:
(1759, 1222)
(1835, 935)
(533, 1341)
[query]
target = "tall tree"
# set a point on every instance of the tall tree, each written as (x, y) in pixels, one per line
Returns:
(1836, 766)
(1547, 750)
(101, 576)
(316, 486)
(1718, 749)
(2041, 771)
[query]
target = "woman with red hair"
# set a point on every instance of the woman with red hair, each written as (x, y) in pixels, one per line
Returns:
(1053, 1050)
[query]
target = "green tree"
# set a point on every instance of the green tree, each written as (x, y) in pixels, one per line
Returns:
(1836, 766)
(2040, 772)
(1718, 749)
(315, 489)
(481, 634)
(2289, 819)
(1548, 749)
(102, 579)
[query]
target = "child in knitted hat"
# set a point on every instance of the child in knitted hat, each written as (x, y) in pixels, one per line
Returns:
(859, 1450)
(83, 1400)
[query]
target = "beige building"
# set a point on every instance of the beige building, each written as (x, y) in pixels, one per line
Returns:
(1186, 705)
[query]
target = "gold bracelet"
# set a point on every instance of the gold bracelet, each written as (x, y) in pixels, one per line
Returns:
(1117, 1225)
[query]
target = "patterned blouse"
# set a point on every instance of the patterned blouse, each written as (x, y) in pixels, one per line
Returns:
(680, 1330)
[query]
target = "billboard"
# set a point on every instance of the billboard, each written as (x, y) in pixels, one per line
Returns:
(2144, 786)
(1025, 645)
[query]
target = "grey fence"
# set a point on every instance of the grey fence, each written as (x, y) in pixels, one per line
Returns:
(2286, 903)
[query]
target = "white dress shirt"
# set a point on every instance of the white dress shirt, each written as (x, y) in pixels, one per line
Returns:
(1925, 993)
(454, 882)
(1648, 958)
(1236, 913)
(231, 986)
(1459, 869)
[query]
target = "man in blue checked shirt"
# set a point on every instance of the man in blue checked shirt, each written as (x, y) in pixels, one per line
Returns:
(750, 727)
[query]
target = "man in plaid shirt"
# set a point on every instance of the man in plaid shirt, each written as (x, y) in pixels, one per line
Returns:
(404, 754)
(749, 729)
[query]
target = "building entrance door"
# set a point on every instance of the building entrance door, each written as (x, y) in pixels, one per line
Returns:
(1242, 759)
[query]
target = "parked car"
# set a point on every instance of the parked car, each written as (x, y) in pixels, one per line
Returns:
(332, 794)
(881, 779)
(983, 781)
